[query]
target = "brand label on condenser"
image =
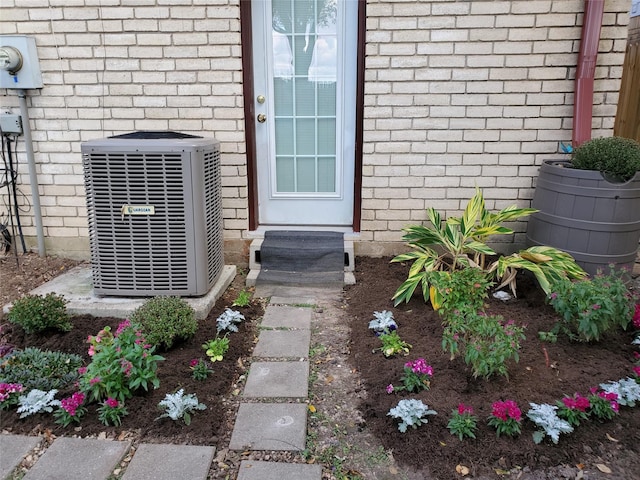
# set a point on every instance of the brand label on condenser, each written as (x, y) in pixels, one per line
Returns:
(137, 210)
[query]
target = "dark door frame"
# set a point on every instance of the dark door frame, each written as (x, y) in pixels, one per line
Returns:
(249, 114)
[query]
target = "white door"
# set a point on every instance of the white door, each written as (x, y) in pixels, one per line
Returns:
(305, 56)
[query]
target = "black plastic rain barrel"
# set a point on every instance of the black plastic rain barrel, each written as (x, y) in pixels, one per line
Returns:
(583, 214)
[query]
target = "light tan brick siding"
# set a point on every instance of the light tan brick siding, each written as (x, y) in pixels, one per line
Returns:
(458, 94)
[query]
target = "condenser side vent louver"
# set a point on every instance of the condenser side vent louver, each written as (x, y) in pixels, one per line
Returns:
(155, 215)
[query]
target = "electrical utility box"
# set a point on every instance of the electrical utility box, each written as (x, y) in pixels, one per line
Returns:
(155, 213)
(19, 64)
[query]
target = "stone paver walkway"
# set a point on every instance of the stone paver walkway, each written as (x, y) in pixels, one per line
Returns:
(280, 371)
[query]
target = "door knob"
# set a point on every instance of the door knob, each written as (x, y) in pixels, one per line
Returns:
(262, 118)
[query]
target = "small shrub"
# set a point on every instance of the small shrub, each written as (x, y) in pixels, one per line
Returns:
(42, 370)
(392, 344)
(411, 413)
(216, 348)
(243, 299)
(35, 313)
(589, 308)
(179, 406)
(227, 321)
(617, 157)
(166, 320)
(37, 401)
(548, 422)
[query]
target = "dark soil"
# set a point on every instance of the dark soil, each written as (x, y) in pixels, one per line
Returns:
(544, 374)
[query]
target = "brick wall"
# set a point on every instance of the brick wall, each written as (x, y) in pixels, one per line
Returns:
(458, 94)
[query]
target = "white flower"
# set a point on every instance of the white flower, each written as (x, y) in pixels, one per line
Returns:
(37, 401)
(411, 412)
(545, 416)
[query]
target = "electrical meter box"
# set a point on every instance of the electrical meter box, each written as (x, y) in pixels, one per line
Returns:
(19, 65)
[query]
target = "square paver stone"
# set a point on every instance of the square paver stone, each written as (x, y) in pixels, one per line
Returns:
(78, 459)
(276, 316)
(270, 426)
(283, 343)
(13, 448)
(301, 300)
(257, 470)
(169, 462)
(277, 379)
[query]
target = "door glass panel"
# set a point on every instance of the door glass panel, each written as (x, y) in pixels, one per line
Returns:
(306, 174)
(285, 173)
(305, 60)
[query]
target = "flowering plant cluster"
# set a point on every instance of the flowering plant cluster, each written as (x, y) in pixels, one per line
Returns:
(604, 406)
(111, 412)
(462, 422)
(417, 377)
(392, 344)
(200, 369)
(120, 364)
(627, 391)
(573, 409)
(9, 394)
(71, 409)
(590, 307)
(506, 418)
(411, 413)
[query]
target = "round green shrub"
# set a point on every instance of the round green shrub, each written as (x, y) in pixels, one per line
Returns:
(165, 320)
(35, 313)
(616, 157)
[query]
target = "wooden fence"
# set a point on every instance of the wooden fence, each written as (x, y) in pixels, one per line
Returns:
(627, 122)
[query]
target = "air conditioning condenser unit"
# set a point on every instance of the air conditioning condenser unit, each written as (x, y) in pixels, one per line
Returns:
(155, 213)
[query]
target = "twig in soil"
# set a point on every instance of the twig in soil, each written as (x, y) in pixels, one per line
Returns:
(546, 356)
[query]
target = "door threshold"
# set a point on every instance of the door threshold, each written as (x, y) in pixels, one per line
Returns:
(259, 232)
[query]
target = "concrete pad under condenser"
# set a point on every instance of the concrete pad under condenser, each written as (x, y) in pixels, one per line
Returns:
(259, 470)
(283, 343)
(270, 426)
(77, 288)
(168, 462)
(276, 316)
(13, 448)
(277, 379)
(78, 459)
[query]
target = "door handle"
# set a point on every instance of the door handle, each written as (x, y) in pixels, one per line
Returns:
(262, 118)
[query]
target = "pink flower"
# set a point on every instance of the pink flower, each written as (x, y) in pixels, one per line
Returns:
(553, 296)
(111, 402)
(595, 306)
(92, 351)
(72, 403)
(462, 409)
(505, 410)
(82, 370)
(636, 370)
(94, 380)
(122, 327)
(389, 388)
(194, 362)
(636, 317)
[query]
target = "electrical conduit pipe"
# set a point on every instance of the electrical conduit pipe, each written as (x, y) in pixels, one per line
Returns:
(583, 97)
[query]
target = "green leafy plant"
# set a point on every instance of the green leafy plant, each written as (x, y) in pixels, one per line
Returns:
(463, 423)
(216, 348)
(40, 369)
(165, 320)
(392, 344)
(486, 341)
(573, 409)
(591, 307)
(243, 299)
(35, 313)
(179, 406)
(459, 243)
(120, 364)
(411, 413)
(616, 157)
(604, 405)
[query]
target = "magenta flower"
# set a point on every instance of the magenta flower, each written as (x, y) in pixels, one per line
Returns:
(122, 327)
(111, 402)
(94, 380)
(462, 409)
(82, 370)
(636, 317)
(7, 389)
(636, 370)
(390, 388)
(193, 362)
(420, 366)
(506, 410)
(72, 403)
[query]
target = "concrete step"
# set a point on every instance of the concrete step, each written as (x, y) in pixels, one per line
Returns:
(259, 470)
(283, 344)
(277, 380)
(168, 462)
